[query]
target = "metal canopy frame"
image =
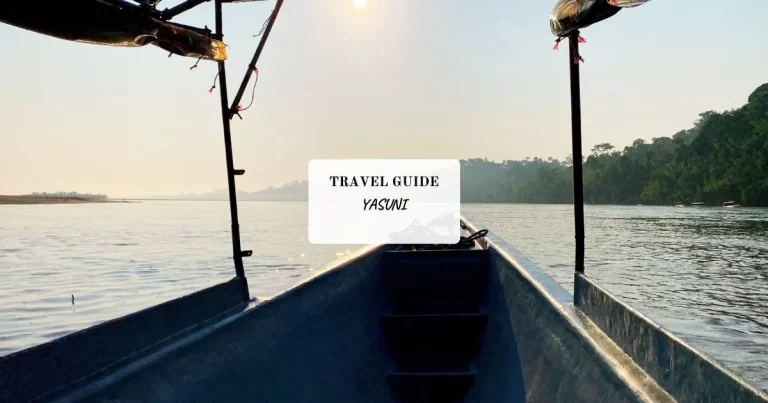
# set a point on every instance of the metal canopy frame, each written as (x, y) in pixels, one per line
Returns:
(566, 19)
(229, 111)
(578, 176)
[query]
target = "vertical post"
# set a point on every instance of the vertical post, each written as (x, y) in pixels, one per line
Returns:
(237, 253)
(578, 179)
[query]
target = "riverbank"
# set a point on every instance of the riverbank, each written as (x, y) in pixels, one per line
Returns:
(53, 200)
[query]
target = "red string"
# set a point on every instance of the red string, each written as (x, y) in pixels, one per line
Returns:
(210, 91)
(240, 108)
(557, 43)
(558, 40)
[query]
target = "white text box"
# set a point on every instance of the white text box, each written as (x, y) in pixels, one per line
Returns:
(384, 201)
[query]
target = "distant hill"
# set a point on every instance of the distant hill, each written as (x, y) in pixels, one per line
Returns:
(294, 191)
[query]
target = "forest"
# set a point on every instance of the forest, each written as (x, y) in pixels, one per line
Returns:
(723, 157)
(72, 195)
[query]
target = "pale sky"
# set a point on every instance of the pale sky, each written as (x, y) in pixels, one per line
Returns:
(398, 79)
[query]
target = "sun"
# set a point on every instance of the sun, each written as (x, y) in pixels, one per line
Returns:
(359, 4)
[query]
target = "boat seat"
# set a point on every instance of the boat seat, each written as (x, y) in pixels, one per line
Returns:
(436, 275)
(443, 386)
(436, 325)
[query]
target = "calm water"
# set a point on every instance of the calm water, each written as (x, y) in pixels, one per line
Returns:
(701, 272)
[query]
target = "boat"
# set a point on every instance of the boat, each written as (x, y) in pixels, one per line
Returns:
(698, 204)
(731, 204)
(469, 322)
(475, 322)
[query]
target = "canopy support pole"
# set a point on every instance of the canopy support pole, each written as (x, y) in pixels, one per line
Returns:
(237, 253)
(252, 66)
(169, 13)
(574, 61)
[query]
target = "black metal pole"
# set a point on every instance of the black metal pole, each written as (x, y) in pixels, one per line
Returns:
(169, 13)
(256, 55)
(578, 180)
(237, 253)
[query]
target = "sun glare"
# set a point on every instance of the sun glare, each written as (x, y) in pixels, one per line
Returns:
(359, 4)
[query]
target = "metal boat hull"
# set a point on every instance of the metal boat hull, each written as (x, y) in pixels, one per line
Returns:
(330, 339)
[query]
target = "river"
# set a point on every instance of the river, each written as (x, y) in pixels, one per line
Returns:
(700, 272)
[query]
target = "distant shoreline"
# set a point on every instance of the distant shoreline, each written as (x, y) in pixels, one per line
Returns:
(54, 200)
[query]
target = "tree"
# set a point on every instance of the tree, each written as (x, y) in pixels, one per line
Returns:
(724, 156)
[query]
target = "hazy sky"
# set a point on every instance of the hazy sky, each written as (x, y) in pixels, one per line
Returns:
(398, 79)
